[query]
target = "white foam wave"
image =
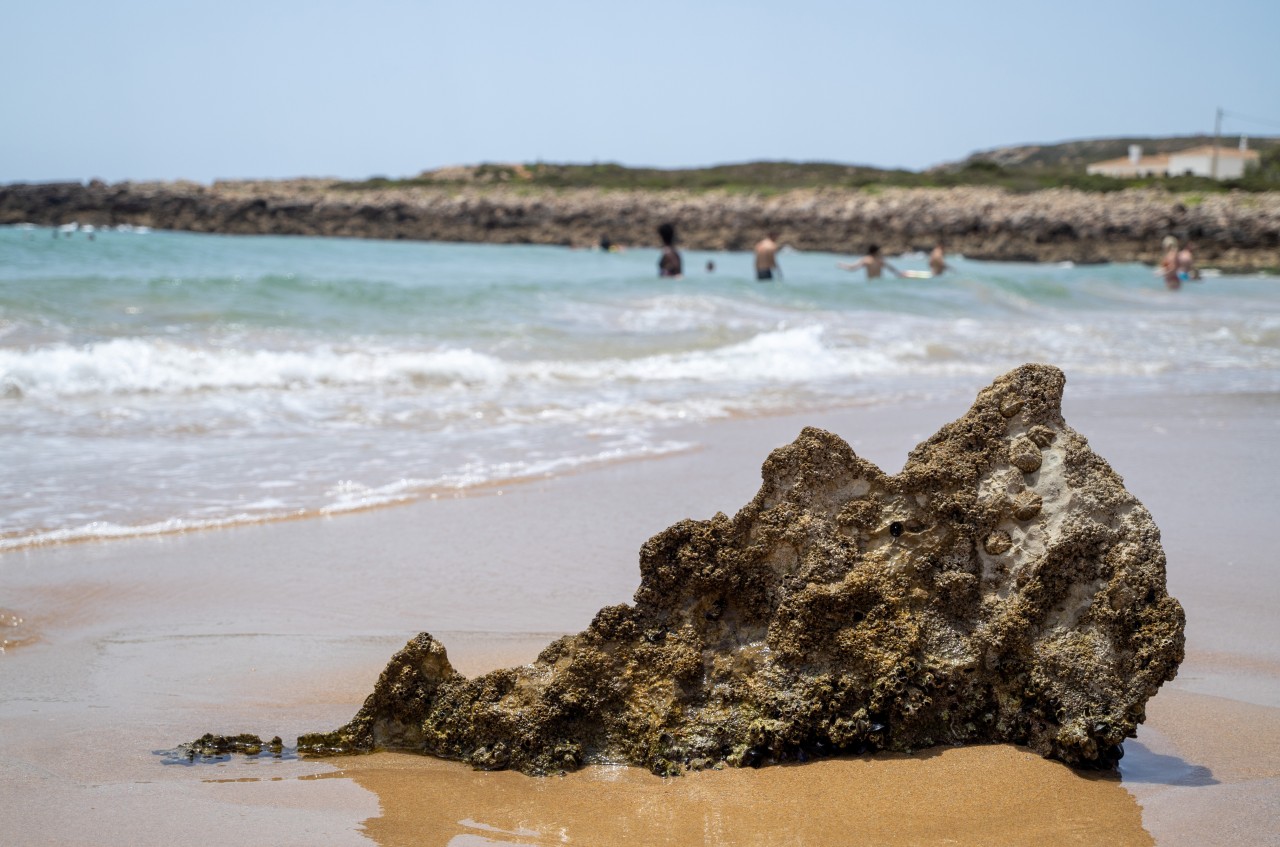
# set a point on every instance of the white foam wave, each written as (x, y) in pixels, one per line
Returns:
(350, 495)
(674, 313)
(798, 356)
(102, 530)
(140, 366)
(134, 365)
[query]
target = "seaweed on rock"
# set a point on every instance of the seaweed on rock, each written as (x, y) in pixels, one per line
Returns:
(1004, 587)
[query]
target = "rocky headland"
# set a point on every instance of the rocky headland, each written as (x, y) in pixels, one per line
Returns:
(1234, 231)
(1004, 587)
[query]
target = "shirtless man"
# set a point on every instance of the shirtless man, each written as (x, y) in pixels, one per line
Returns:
(873, 262)
(767, 257)
(938, 260)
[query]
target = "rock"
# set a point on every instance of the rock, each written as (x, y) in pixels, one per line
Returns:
(1233, 231)
(841, 611)
(210, 746)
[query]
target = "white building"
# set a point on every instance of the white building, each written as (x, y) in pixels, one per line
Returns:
(1197, 161)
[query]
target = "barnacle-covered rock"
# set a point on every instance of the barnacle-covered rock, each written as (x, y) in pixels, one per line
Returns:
(1004, 587)
(210, 746)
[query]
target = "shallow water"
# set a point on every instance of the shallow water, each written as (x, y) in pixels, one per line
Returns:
(160, 381)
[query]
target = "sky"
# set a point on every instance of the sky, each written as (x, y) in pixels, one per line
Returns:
(131, 89)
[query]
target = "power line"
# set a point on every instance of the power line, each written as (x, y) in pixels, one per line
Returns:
(1263, 121)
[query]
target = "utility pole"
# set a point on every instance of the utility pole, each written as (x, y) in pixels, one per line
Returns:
(1217, 138)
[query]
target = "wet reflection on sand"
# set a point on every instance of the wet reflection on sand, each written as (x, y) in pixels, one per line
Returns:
(1142, 765)
(15, 630)
(995, 795)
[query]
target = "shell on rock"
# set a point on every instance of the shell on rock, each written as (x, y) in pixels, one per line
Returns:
(1025, 455)
(1010, 406)
(997, 543)
(1026, 505)
(1041, 435)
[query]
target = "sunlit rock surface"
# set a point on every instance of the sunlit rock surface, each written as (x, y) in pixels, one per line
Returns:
(1004, 587)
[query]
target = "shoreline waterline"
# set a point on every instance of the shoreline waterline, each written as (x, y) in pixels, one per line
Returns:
(487, 488)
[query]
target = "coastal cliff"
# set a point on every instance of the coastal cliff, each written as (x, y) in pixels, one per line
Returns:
(1234, 231)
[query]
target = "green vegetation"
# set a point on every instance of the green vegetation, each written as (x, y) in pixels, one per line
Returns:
(1020, 169)
(752, 176)
(1268, 170)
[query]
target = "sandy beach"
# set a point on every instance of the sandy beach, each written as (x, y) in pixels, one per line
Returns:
(118, 651)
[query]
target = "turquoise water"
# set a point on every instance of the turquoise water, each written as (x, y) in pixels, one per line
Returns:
(152, 381)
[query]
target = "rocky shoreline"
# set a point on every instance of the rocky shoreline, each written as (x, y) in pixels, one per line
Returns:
(1234, 231)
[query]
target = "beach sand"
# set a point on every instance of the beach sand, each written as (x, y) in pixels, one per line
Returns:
(117, 651)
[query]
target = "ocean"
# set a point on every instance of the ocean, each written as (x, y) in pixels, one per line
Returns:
(156, 381)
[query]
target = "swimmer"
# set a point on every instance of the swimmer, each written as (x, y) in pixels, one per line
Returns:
(767, 257)
(669, 264)
(1185, 264)
(938, 260)
(1169, 264)
(873, 262)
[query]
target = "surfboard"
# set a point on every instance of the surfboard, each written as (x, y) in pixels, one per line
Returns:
(918, 274)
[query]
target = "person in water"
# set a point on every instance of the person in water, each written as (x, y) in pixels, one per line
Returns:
(669, 264)
(1169, 264)
(873, 262)
(767, 257)
(1185, 263)
(938, 260)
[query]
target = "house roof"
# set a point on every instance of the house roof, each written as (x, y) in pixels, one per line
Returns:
(1161, 160)
(1223, 152)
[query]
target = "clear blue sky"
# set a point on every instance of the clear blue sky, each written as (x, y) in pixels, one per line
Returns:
(129, 89)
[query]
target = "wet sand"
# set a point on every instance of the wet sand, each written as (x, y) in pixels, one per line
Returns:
(129, 647)
(996, 795)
